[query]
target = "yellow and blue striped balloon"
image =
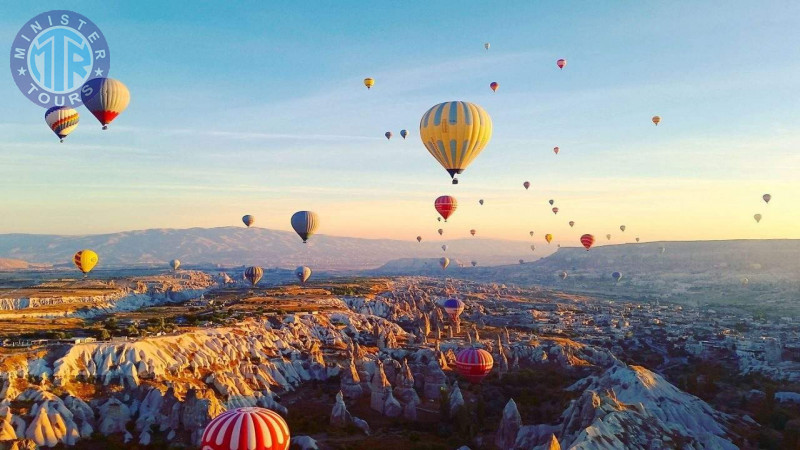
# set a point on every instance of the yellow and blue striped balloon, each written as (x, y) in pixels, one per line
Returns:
(455, 133)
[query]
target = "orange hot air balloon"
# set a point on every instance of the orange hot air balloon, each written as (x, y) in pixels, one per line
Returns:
(561, 63)
(419, 238)
(548, 237)
(446, 205)
(472, 232)
(656, 120)
(494, 86)
(441, 231)
(587, 240)
(555, 210)
(531, 233)
(526, 184)
(555, 150)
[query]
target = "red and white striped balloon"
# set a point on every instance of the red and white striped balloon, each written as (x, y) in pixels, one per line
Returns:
(474, 364)
(446, 205)
(587, 240)
(246, 429)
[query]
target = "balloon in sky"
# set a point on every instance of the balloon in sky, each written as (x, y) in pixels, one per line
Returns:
(305, 224)
(766, 198)
(486, 46)
(526, 184)
(454, 307)
(616, 276)
(175, 264)
(455, 133)
(531, 233)
(551, 201)
(474, 364)
(444, 247)
(369, 82)
(403, 133)
(253, 274)
(656, 120)
(246, 429)
(249, 220)
(555, 150)
(85, 260)
(444, 262)
(419, 238)
(608, 236)
(555, 210)
(474, 263)
(548, 237)
(439, 219)
(472, 232)
(106, 98)
(62, 120)
(587, 240)
(388, 134)
(302, 273)
(571, 223)
(745, 281)
(757, 217)
(637, 239)
(622, 227)
(563, 275)
(494, 86)
(445, 205)
(522, 261)
(533, 247)
(440, 231)
(480, 201)
(561, 63)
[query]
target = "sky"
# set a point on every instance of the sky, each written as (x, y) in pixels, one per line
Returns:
(260, 109)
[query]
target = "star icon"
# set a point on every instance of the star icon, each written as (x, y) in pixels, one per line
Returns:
(98, 73)
(21, 71)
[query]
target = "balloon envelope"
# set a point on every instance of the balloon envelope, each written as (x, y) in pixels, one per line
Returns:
(486, 46)
(249, 220)
(388, 134)
(253, 274)
(369, 82)
(757, 217)
(656, 120)
(622, 227)
(555, 210)
(571, 223)
(302, 273)
(444, 248)
(766, 198)
(403, 133)
(587, 240)
(474, 263)
(105, 98)
(608, 236)
(419, 238)
(472, 232)
(305, 224)
(526, 184)
(480, 201)
(85, 260)
(246, 428)
(563, 275)
(175, 264)
(494, 86)
(62, 120)
(474, 364)
(616, 276)
(444, 262)
(561, 63)
(454, 307)
(555, 150)
(445, 205)
(548, 237)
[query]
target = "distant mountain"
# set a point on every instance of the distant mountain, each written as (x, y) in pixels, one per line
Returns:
(17, 264)
(234, 246)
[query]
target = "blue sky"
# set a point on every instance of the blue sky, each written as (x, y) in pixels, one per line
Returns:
(260, 109)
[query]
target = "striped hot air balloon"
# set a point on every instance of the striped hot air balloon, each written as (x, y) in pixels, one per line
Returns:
(445, 205)
(302, 273)
(444, 262)
(305, 224)
(253, 274)
(369, 82)
(246, 429)
(587, 240)
(494, 85)
(474, 364)
(106, 98)
(455, 133)
(454, 307)
(85, 260)
(62, 120)
(548, 237)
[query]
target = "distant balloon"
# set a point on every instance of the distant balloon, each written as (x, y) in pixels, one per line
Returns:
(522, 261)
(548, 237)
(253, 274)
(474, 263)
(561, 63)
(587, 240)
(766, 198)
(616, 276)
(745, 281)
(555, 150)
(403, 133)
(571, 223)
(302, 273)
(444, 262)
(656, 120)
(637, 239)
(440, 231)
(757, 217)
(472, 232)
(105, 98)
(388, 134)
(531, 233)
(305, 224)
(533, 247)
(444, 247)
(555, 210)
(246, 428)
(474, 364)
(563, 275)
(439, 219)
(455, 133)
(608, 236)
(85, 260)
(369, 82)
(249, 220)
(480, 201)
(62, 120)
(419, 238)
(622, 227)
(493, 85)
(175, 264)
(454, 307)
(486, 46)
(526, 184)
(445, 205)
(551, 201)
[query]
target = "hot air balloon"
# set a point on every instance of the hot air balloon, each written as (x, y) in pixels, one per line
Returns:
(388, 134)
(305, 224)
(445, 205)
(563, 275)
(106, 98)
(472, 232)
(551, 201)
(62, 120)
(455, 133)
(531, 233)
(444, 247)
(369, 82)
(526, 184)
(608, 236)
(85, 260)
(637, 239)
(419, 238)
(587, 240)
(493, 85)
(302, 273)
(474, 263)
(403, 133)
(656, 120)
(454, 307)
(766, 198)
(439, 219)
(571, 223)
(522, 261)
(745, 281)
(480, 201)
(444, 262)
(246, 429)
(622, 227)
(548, 237)
(486, 46)
(533, 247)
(555, 210)
(757, 217)
(249, 220)
(440, 231)
(175, 264)
(616, 276)
(561, 63)
(474, 364)
(253, 274)
(555, 150)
